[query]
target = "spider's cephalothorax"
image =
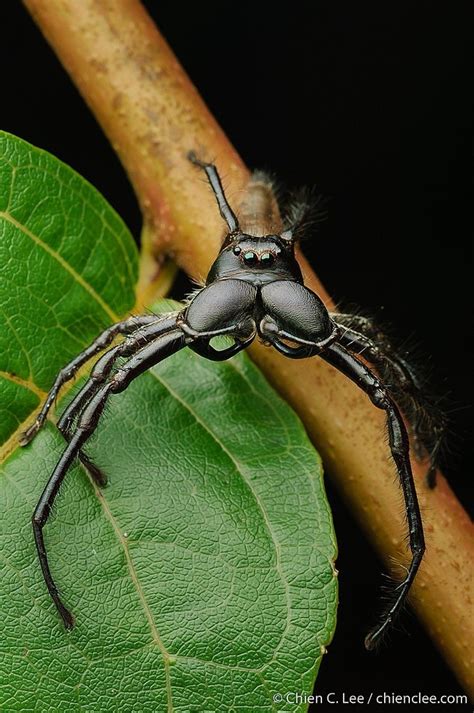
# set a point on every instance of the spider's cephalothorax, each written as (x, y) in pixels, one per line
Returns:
(254, 289)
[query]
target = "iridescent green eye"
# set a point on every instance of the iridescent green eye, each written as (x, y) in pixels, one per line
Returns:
(237, 250)
(250, 258)
(267, 259)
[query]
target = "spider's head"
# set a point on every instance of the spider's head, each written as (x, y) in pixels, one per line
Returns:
(256, 259)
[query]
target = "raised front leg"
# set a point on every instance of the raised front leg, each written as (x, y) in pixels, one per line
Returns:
(215, 182)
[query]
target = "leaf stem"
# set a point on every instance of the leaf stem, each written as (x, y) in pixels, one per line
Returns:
(156, 274)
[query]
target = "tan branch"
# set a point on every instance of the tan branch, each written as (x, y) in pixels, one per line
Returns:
(153, 115)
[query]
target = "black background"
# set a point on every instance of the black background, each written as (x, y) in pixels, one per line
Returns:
(372, 103)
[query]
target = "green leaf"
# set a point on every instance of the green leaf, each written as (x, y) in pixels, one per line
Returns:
(68, 269)
(202, 577)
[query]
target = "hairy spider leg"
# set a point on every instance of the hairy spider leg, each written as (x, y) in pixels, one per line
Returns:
(146, 356)
(367, 328)
(389, 365)
(141, 336)
(126, 326)
(215, 182)
(354, 340)
(104, 365)
(99, 373)
(41, 515)
(427, 422)
(101, 370)
(360, 374)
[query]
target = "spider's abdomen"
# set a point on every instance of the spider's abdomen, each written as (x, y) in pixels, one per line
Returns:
(222, 304)
(296, 310)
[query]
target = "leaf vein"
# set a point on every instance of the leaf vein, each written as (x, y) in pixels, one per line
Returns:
(240, 470)
(64, 264)
(25, 383)
(141, 594)
(81, 196)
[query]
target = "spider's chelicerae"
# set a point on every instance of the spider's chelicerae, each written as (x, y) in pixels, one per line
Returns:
(254, 289)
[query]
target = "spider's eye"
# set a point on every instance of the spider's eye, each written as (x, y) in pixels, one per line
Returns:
(237, 250)
(250, 258)
(267, 259)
